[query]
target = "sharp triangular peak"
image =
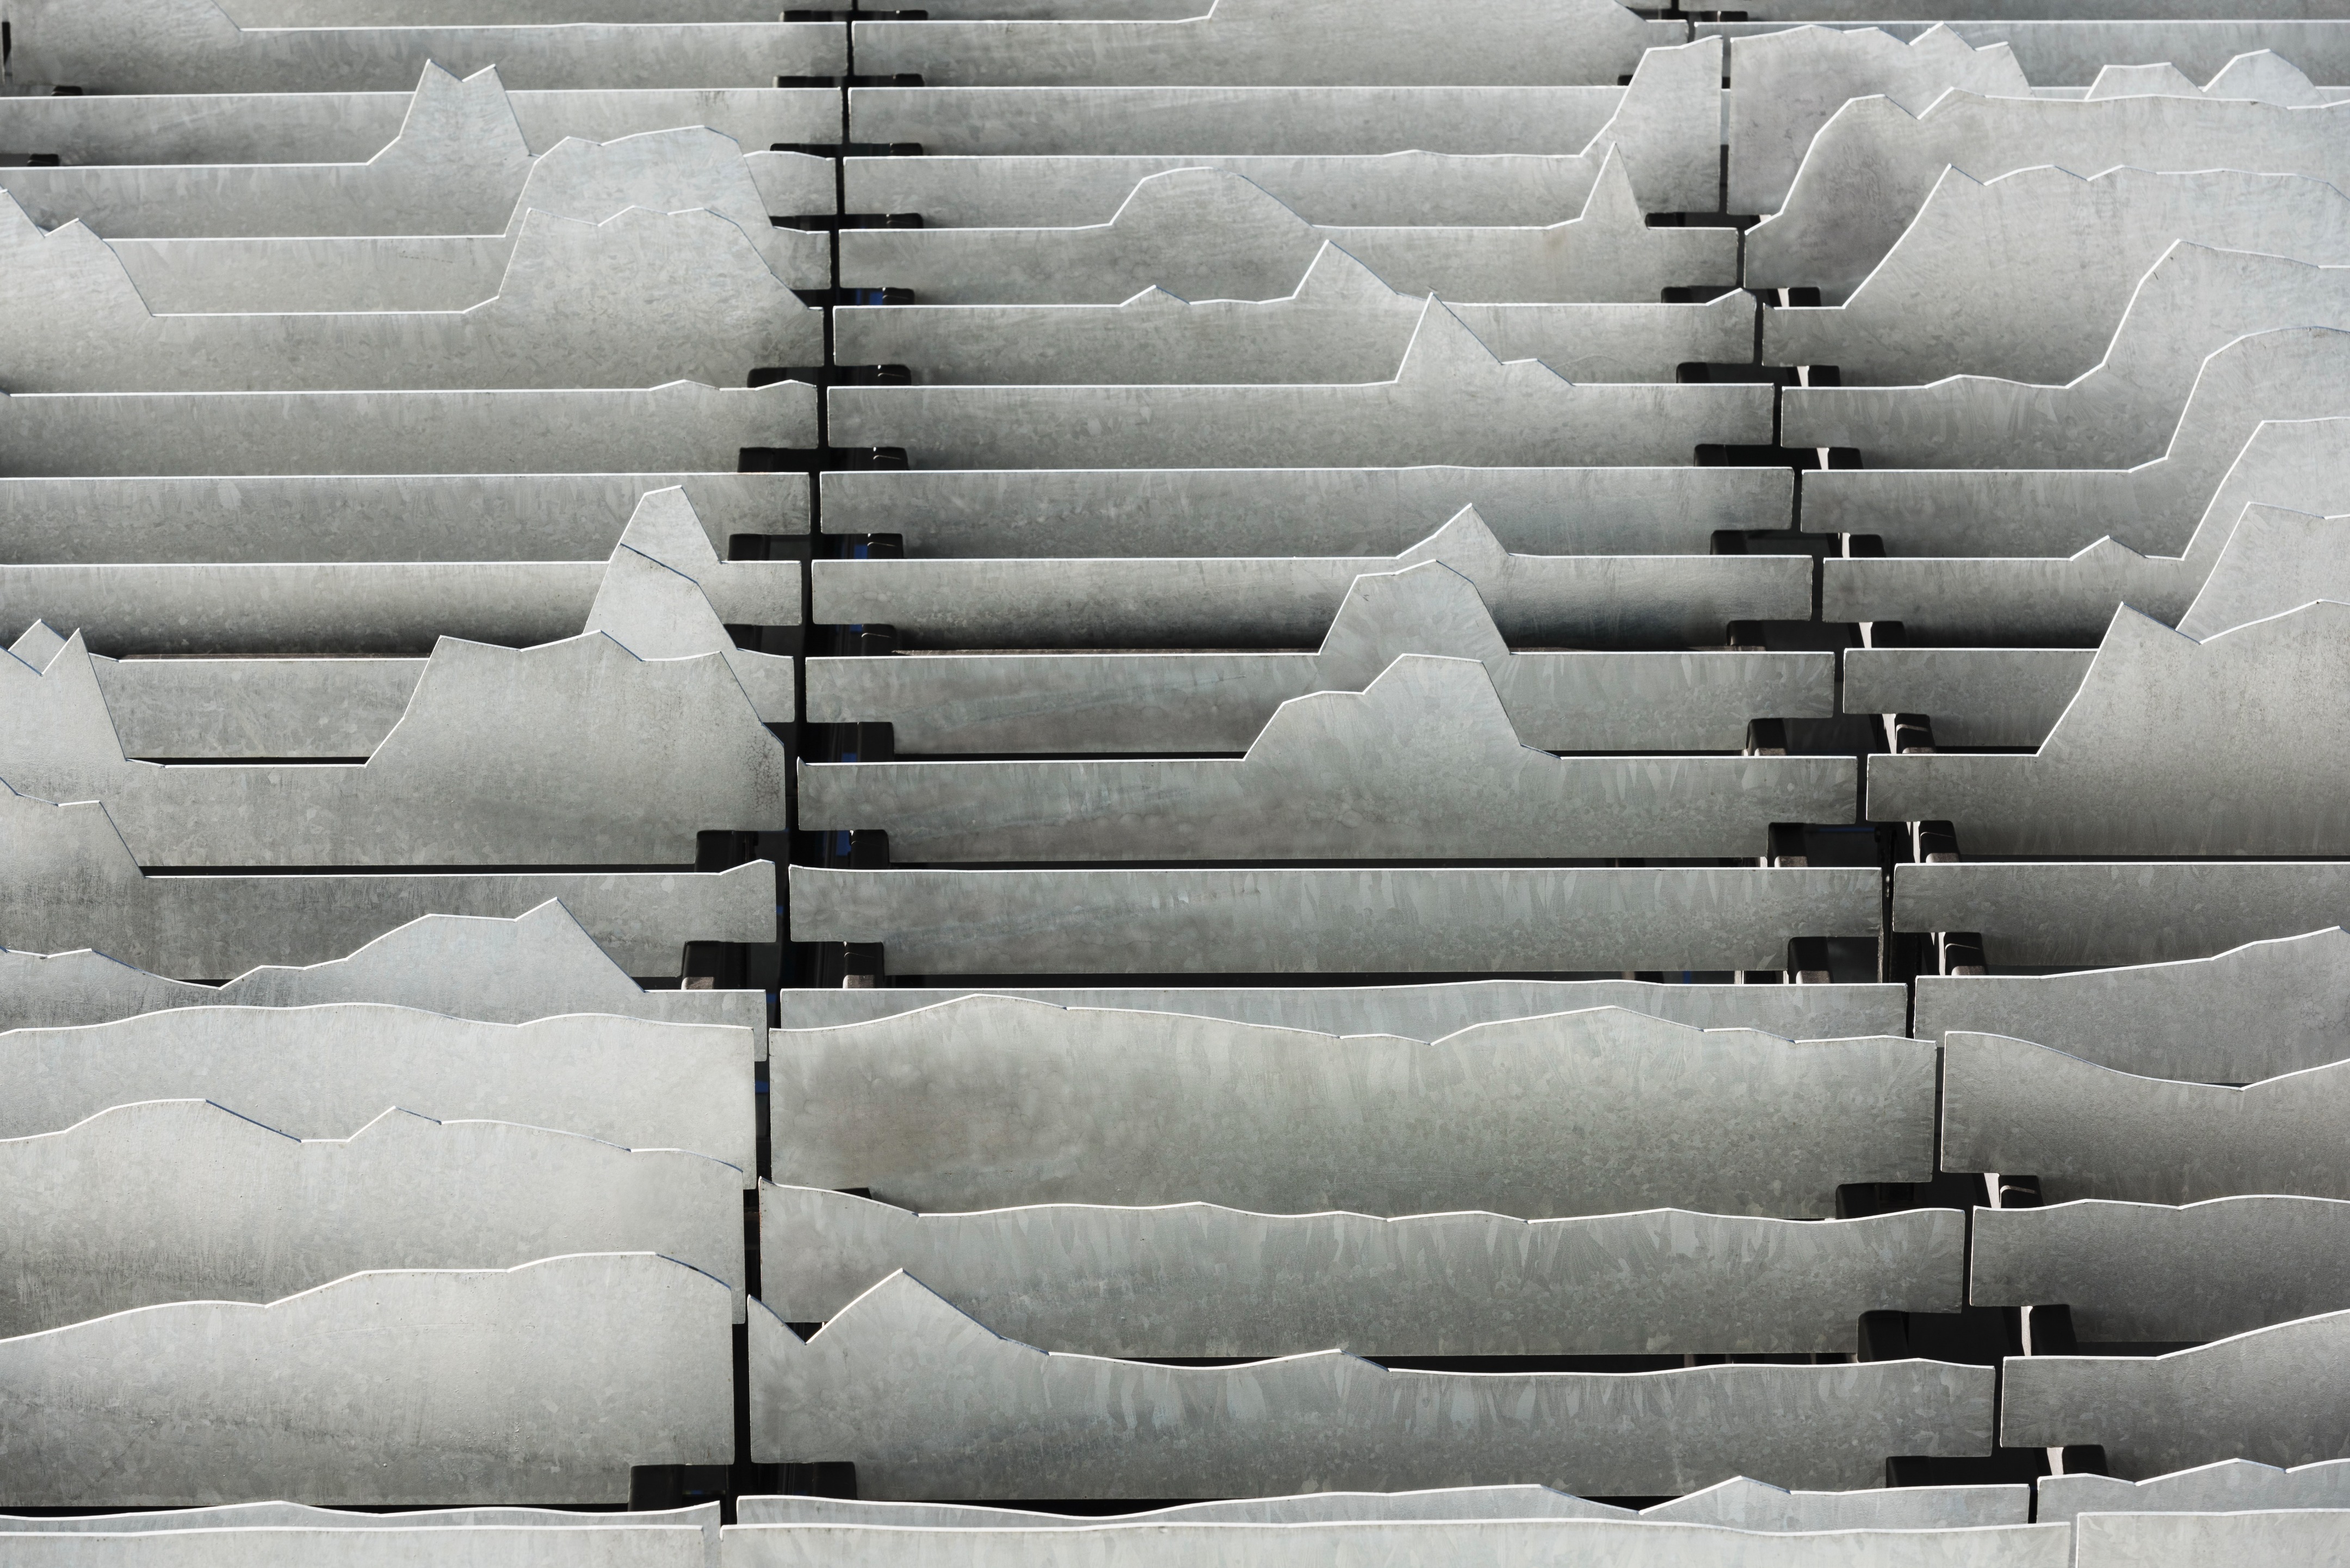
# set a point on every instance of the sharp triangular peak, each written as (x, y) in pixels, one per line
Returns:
(654, 610)
(1465, 544)
(1941, 43)
(48, 839)
(2265, 76)
(2163, 80)
(38, 644)
(901, 1316)
(1740, 1493)
(666, 527)
(545, 939)
(2275, 559)
(1336, 277)
(1391, 720)
(1152, 298)
(446, 117)
(57, 735)
(1613, 203)
(1444, 351)
(1187, 203)
(17, 230)
(1427, 608)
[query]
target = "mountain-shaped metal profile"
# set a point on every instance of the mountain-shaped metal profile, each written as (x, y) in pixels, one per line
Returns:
(2273, 1395)
(579, 305)
(2256, 1011)
(1927, 311)
(1215, 234)
(2148, 1272)
(1421, 764)
(1342, 323)
(927, 1403)
(2095, 1132)
(633, 1082)
(1450, 399)
(990, 1100)
(539, 964)
(1874, 163)
(488, 765)
(2257, 747)
(1136, 702)
(1431, 1285)
(1642, 601)
(2279, 497)
(237, 1211)
(73, 882)
(543, 1383)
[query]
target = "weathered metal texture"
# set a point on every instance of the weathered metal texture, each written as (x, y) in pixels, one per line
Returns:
(2118, 412)
(1132, 701)
(1929, 310)
(2257, 741)
(1789, 83)
(662, 593)
(2144, 1272)
(1388, 920)
(2288, 467)
(520, 1539)
(1264, 117)
(1196, 1280)
(218, 710)
(988, 1100)
(192, 46)
(73, 882)
(459, 165)
(1459, 590)
(2275, 1396)
(1210, 512)
(2071, 54)
(1217, 234)
(1829, 235)
(1975, 696)
(680, 426)
(2228, 1487)
(1305, 1508)
(1420, 764)
(2210, 1539)
(231, 1209)
(2088, 1131)
(2075, 914)
(1093, 1543)
(577, 752)
(2275, 562)
(353, 127)
(421, 518)
(322, 1071)
(2292, 373)
(544, 1383)
(641, 298)
(1394, 190)
(1665, 120)
(2261, 1010)
(1748, 1504)
(927, 1403)
(1233, 43)
(1342, 323)
(261, 1525)
(537, 965)
(1449, 398)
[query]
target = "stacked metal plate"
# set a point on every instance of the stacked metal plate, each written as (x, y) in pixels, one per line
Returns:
(1137, 783)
